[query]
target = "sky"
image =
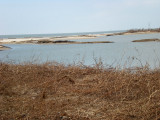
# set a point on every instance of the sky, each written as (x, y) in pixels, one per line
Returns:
(71, 16)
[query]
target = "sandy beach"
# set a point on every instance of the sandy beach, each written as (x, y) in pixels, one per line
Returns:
(34, 40)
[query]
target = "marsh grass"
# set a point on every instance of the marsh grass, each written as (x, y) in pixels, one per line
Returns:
(59, 92)
(147, 40)
(143, 30)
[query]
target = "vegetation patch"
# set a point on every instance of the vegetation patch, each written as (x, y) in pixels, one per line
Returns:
(147, 40)
(134, 31)
(77, 92)
(143, 30)
(58, 41)
(70, 42)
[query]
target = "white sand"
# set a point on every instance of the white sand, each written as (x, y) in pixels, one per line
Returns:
(16, 40)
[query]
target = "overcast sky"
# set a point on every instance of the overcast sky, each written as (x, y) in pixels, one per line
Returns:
(68, 16)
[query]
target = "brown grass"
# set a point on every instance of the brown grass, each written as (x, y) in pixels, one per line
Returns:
(70, 42)
(147, 40)
(57, 92)
(143, 30)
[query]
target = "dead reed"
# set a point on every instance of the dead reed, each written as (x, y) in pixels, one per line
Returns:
(58, 92)
(143, 30)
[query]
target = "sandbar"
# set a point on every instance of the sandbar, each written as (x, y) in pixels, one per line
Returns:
(71, 42)
(147, 40)
(2, 47)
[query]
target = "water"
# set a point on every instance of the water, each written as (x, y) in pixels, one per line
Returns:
(122, 52)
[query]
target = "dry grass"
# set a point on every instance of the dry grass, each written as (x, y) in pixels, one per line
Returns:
(57, 92)
(143, 30)
(134, 31)
(147, 40)
(70, 42)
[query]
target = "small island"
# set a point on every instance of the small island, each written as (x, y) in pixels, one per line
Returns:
(147, 40)
(2, 47)
(69, 42)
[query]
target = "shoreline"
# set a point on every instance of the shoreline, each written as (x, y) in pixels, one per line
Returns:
(2, 47)
(35, 40)
(71, 42)
(147, 40)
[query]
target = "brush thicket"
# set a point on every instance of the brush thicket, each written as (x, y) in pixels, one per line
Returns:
(54, 91)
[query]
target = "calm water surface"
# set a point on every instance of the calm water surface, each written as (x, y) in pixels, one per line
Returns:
(122, 52)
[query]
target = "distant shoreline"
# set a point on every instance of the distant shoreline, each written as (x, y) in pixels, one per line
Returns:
(37, 40)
